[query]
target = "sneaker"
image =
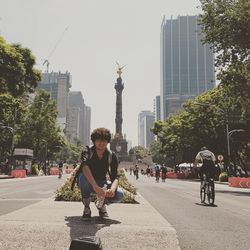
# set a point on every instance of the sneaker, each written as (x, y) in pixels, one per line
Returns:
(86, 213)
(103, 212)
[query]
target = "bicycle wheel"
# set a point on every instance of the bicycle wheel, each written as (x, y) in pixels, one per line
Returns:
(202, 193)
(210, 193)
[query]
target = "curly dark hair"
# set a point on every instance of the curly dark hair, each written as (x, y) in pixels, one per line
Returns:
(101, 134)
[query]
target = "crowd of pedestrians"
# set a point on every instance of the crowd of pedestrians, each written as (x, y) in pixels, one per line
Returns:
(156, 171)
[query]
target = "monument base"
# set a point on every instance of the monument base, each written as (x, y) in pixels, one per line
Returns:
(119, 146)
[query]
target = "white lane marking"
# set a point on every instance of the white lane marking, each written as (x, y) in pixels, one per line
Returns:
(246, 210)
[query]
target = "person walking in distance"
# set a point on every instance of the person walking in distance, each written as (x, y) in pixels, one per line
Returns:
(148, 171)
(60, 167)
(136, 172)
(96, 162)
(157, 173)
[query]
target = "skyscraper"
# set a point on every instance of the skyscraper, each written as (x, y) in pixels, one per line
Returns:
(87, 125)
(187, 65)
(145, 123)
(74, 124)
(157, 108)
(73, 115)
(58, 85)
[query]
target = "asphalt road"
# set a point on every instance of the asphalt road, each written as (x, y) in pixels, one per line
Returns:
(223, 226)
(19, 193)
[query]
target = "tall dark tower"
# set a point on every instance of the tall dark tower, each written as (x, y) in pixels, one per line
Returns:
(118, 143)
(119, 86)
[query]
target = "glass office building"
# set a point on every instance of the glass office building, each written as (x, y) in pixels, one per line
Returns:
(187, 65)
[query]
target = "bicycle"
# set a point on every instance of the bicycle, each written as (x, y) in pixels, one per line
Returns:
(207, 190)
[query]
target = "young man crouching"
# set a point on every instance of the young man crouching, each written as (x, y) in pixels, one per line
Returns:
(96, 162)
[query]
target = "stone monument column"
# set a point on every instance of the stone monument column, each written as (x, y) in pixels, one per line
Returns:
(119, 86)
(118, 143)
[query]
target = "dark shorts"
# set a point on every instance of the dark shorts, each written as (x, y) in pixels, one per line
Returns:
(209, 171)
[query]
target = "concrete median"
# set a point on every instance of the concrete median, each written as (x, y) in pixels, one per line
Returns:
(52, 225)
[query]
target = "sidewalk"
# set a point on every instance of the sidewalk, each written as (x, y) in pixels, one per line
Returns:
(52, 225)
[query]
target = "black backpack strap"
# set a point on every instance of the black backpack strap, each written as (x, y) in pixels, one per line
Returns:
(75, 177)
(110, 156)
(90, 154)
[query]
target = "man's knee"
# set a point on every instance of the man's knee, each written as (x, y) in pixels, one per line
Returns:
(119, 195)
(85, 186)
(84, 183)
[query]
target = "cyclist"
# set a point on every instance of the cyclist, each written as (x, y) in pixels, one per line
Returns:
(207, 158)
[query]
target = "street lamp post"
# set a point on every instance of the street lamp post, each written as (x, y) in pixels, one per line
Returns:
(228, 140)
(235, 130)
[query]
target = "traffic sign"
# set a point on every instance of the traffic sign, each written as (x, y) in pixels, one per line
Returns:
(220, 157)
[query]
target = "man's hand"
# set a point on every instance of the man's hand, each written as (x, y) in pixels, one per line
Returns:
(110, 193)
(100, 192)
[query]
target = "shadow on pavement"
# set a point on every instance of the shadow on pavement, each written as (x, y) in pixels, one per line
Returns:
(237, 193)
(80, 228)
(205, 205)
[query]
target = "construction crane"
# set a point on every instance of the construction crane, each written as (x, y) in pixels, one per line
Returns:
(46, 61)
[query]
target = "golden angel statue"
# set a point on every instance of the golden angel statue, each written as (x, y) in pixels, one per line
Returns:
(119, 71)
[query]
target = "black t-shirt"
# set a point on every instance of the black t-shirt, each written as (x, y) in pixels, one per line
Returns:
(99, 167)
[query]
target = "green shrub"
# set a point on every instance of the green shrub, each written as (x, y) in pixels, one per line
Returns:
(223, 177)
(64, 193)
(123, 182)
(34, 169)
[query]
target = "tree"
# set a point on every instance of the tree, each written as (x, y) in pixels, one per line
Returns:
(201, 122)
(9, 118)
(40, 130)
(69, 153)
(157, 153)
(226, 25)
(139, 151)
(17, 72)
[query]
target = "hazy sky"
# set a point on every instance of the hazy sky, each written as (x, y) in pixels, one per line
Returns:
(100, 32)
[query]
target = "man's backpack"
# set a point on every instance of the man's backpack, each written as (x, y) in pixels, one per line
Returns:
(207, 159)
(90, 155)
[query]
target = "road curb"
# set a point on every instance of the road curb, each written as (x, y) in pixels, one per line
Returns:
(6, 177)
